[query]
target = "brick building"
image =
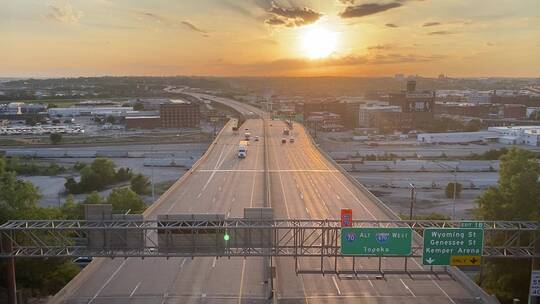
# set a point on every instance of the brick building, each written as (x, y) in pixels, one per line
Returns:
(179, 114)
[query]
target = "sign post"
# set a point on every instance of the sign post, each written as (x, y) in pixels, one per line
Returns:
(392, 241)
(453, 246)
(346, 217)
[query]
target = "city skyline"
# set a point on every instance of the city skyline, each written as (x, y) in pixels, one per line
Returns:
(270, 38)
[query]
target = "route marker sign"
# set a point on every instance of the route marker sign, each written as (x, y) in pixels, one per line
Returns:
(376, 241)
(346, 217)
(453, 246)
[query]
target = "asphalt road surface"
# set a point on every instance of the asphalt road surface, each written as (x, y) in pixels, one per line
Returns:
(303, 185)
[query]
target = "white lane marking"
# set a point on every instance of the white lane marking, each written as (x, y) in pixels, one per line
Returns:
(253, 185)
(336, 285)
(183, 262)
(407, 287)
(199, 195)
(165, 296)
(134, 289)
(214, 262)
(444, 292)
(241, 282)
(307, 210)
(108, 281)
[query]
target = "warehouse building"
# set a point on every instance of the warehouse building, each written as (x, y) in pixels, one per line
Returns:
(179, 114)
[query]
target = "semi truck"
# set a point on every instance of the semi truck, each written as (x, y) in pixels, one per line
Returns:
(242, 149)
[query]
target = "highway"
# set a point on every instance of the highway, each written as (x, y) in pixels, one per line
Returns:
(303, 185)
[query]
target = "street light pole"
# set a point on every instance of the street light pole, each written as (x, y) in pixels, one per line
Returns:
(411, 185)
(455, 190)
(153, 188)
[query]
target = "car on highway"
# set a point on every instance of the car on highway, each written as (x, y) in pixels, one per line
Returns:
(291, 140)
(256, 138)
(82, 261)
(283, 140)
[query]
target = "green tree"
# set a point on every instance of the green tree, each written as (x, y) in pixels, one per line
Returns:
(124, 199)
(71, 210)
(93, 198)
(140, 184)
(104, 168)
(2, 166)
(16, 197)
(123, 174)
(110, 119)
(55, 138)
(138, 106)
(449, 190)
(516, 197)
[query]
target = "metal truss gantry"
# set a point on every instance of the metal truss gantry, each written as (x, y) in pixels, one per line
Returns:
(231, 237)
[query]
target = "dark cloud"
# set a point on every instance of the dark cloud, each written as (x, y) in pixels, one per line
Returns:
(431, 24)
(367, 9)
(192, 27)
(440, 33)
(490, 43)
(351, 2)
(380, 47)
(391, 25)
(293, 16)
(275, 21)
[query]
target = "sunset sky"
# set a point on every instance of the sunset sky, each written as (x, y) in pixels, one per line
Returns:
(270, 38)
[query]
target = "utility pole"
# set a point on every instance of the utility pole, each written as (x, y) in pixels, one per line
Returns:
(153, 188)
(455, 190)
(7, 246)
(413, 189)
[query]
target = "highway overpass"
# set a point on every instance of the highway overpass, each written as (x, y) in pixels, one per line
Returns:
(303, 184)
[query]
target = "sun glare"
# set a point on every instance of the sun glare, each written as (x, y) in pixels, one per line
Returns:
(318, 42)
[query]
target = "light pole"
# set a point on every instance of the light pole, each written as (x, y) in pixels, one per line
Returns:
(446, 166)
(413, 190)
(152, 163)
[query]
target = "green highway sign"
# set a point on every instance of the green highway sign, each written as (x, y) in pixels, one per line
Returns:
(452, 246)
(472, 224)
(376, 241)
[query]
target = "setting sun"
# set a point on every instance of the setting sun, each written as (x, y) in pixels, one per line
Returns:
(318, 42)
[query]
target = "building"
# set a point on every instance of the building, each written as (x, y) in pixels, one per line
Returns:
(463, 109)
(179, 114)
(348, 111)
(518, 135)
(325, 121)
(457, 137)
(143, 122)
(90, 111)
(515, 111)
(368, 114)
(416, 107)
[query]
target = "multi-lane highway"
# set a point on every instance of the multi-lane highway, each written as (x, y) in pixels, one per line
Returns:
(303, 184)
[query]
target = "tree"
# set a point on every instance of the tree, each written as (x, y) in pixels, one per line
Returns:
(71, 185)
(2, 166)
(93, 198)
(110, 119)
(17, 198)
(71, 210)
(516, 197)
(123, 174)
(104, 169)
(124, 199)
(138, 106)
(449, 191)
(140, 184)
(56, 138)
